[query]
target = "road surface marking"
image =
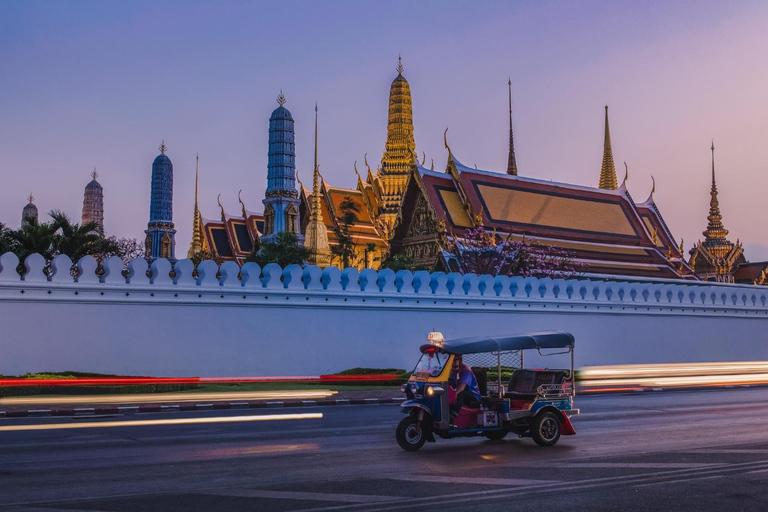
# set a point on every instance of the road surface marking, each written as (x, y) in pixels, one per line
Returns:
(469, 480)
(669, 476)
(673, 482)
(46, 509)
(309, 496)
(727, 450)
(639, 465)
(173, 421)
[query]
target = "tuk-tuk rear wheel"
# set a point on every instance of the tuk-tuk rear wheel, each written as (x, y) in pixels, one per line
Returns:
(545, 429)
(410, 434)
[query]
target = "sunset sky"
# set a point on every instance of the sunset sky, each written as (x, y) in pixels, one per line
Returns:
(100, 84)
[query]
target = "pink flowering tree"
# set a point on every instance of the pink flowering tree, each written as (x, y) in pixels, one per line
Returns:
(484, 252)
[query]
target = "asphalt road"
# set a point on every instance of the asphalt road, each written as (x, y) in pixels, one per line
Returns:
(704, 450)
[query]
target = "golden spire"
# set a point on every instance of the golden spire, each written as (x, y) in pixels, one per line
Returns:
(400, 68)
(198, 243)
(608, 170)
(281, 98)
(94, 174)
(399, 157)
(316, 235)
(715, 234)
(163, 148)
(511, 162)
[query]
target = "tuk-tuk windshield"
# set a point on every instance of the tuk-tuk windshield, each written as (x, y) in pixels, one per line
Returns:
(430, 365)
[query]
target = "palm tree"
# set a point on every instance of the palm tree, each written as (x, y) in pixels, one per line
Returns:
(78, 240)
(34, 237)
(5, 239)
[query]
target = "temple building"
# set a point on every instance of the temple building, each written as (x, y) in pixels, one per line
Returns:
(281, 201)
(316, 232)
(93, 202)
(403, 207)
(161, 235)
(602, 227)
(717, 258)
(29, 214)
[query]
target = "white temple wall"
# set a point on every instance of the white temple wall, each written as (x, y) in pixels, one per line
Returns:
(309, 321)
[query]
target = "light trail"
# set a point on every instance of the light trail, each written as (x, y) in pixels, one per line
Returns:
(173, 421)
(169, 397)
(639, 376)
(140, 381)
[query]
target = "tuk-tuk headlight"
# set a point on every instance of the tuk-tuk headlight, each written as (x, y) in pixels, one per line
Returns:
(414, 387)
(435, 391)
(402, 388)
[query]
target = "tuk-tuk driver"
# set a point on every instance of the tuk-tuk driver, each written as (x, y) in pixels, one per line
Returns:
(465, 383)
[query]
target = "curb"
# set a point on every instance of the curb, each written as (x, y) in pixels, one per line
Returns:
(155, 408)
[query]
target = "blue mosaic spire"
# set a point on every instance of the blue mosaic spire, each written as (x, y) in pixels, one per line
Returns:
(161, 235)
(281, 203)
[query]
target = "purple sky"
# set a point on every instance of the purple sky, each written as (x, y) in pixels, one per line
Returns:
(100, 84)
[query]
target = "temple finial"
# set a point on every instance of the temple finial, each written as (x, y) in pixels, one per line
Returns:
(626, 174)
(242, 204)
(400, 68)
(423, 157)
(316, 214)
(608, 169)
(713, 163)
(511, 161)
(223, 215)
(94, 174)
(31, 198)
(365, 159)
(163, 148)
(197, 175)
(281, 98)
(653, 189)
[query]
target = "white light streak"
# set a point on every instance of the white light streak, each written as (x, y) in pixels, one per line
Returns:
(155, 398)
(173, 421)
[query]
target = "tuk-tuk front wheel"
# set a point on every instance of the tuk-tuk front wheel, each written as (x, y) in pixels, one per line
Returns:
(545, 429)
(410, 434)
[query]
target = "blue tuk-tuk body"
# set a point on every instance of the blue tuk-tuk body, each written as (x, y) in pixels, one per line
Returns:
(534, 403)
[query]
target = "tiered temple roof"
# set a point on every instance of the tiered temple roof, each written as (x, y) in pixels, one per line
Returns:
(604, 229)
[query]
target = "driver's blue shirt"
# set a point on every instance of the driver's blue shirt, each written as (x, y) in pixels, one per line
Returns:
(467, 376)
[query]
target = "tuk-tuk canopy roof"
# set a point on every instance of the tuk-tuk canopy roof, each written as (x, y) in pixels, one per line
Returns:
(477, 344)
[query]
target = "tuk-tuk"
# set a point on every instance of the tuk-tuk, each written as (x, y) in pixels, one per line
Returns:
(531, 403)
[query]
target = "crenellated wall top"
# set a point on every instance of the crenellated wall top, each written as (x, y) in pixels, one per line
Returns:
(231, 280)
